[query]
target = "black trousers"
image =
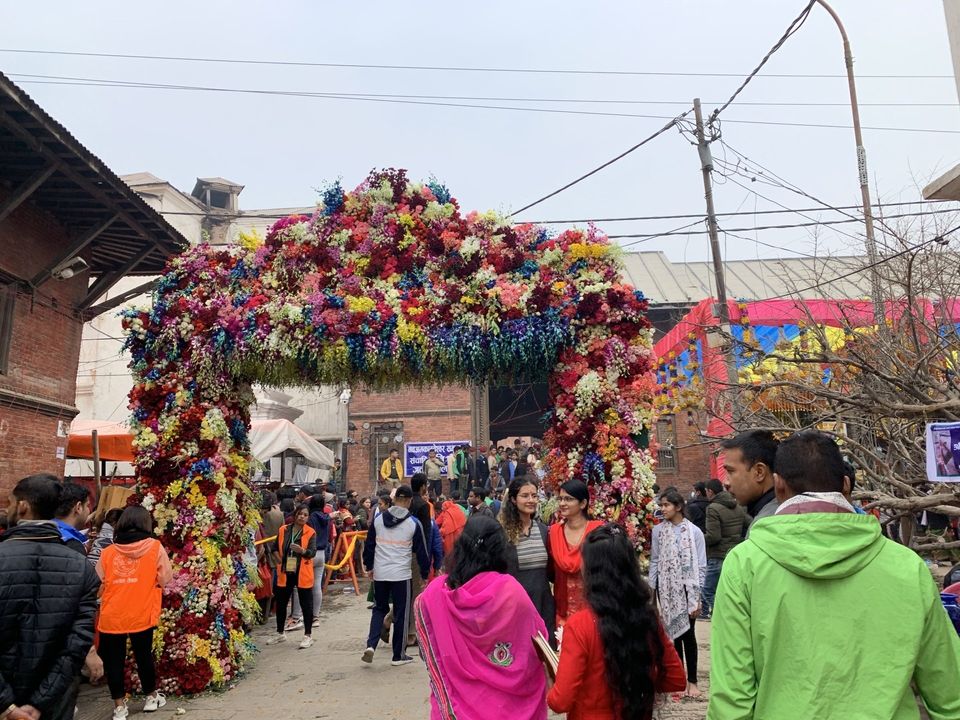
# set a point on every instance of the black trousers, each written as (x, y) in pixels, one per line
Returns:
(283, 595)
(686, 646)
(113, 652)
(436, 487)
(384, 592)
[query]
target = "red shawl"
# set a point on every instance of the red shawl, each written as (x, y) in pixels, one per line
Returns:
(568, 583)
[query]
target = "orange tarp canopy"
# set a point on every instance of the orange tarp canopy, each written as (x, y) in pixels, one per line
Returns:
(115, 440)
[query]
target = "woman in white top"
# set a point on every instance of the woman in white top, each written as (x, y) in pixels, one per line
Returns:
(678, 565)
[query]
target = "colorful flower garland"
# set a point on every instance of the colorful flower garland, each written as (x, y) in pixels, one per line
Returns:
(388, 285)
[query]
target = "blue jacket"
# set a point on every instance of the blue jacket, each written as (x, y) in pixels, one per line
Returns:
(320, 522)
(436, 546)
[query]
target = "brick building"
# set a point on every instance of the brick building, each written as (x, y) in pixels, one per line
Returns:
(683, 456)
(381, 421)
(69, 229)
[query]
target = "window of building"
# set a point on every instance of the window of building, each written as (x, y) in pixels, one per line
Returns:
(666, 443)
(8, 296)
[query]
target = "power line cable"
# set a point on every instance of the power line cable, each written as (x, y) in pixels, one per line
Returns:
(939, 239)
(610, 162)
(794, 26)
(451, 68)
(782, 226)
(574, 221)
(431, 103)
(106, 82)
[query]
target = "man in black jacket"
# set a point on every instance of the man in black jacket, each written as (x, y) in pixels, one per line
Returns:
(47, 609)
(697, 507)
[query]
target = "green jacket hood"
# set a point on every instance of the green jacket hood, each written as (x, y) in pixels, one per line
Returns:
(822, 546)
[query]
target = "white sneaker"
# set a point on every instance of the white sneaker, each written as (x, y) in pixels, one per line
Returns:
(367, 656)
(316, 621)
(294, 624)
(120, 712)
(306, 642)
(154, 702)
(278, 638)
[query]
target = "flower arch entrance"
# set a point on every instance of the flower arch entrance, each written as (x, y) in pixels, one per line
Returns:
(388, 285)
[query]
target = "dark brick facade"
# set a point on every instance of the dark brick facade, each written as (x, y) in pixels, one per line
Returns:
(38, 390)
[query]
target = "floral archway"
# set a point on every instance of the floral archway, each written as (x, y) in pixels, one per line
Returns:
(388, 285)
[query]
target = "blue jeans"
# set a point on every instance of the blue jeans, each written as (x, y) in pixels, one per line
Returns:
(714, 565)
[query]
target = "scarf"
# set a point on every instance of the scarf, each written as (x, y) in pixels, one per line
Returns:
(811, 502)
(678, 580)
(476, 641)
(566, 557)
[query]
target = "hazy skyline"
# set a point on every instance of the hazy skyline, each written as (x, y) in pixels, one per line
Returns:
(282, 148)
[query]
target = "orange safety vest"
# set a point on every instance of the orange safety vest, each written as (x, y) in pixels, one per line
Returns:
(131, 597)
(305, 576)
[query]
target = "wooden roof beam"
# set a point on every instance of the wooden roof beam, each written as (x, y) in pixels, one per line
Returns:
(88, 184)
(79, 244)
(107, 280)
(120, 299)
(26, 190)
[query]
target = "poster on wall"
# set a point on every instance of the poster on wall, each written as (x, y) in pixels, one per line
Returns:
(943, 452)
(414, 453)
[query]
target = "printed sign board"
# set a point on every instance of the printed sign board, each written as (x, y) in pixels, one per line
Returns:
(943, 452)
(414, 453)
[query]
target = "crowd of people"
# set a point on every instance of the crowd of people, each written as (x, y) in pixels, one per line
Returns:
(779, 559)
(814, 610)
(72, 600)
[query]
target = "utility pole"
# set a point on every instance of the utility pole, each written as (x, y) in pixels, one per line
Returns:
(723, 312)
(871, 243)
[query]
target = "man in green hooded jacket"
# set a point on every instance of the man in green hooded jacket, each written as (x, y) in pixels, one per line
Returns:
(818, 615)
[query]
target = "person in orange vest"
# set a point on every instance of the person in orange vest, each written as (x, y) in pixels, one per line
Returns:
(295, 549)
(133, 570)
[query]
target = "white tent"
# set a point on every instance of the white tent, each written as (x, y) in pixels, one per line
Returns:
(269, 438)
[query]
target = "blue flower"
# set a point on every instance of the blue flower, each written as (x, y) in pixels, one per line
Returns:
(439, 191)
(332, 199)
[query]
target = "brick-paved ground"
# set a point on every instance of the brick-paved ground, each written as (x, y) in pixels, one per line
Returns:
(329, 680)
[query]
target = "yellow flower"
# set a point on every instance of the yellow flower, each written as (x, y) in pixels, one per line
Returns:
(409, 332)
(587, 250)
(360, 304)
(250, 240)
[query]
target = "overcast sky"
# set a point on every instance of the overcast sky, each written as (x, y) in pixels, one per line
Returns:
(282, 148)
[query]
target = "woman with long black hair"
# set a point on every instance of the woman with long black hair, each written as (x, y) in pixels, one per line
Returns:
(615, 656)
(475, 627)
(528, 552)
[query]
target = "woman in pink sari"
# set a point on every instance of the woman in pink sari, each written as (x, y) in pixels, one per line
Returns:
(475, 627)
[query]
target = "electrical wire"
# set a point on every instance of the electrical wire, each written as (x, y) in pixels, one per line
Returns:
(838, 208)
(608, 163)
(105, 82)
(940, 239)
(783, 226)
(448, 68)
(432, 103)
(794, 26)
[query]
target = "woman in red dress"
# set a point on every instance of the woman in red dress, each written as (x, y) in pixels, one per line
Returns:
(615, 655)
(566, 538)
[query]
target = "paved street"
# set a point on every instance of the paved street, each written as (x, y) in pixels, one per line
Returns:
(328, 680)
